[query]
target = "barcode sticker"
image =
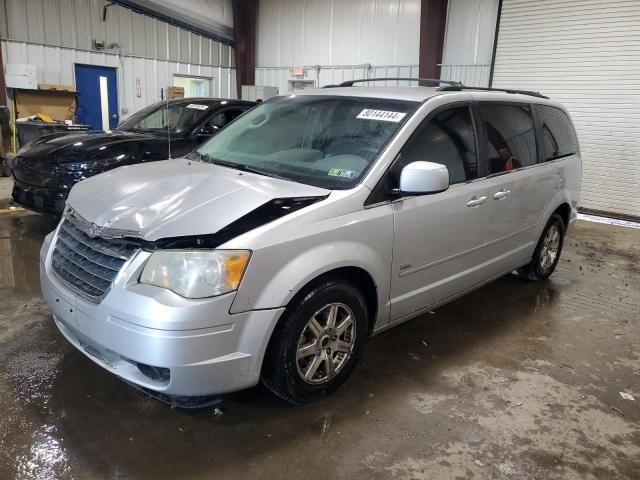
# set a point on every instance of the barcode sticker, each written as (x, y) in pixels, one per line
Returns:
(381, 115)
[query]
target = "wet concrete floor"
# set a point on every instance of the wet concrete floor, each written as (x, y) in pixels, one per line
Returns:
(516, 380)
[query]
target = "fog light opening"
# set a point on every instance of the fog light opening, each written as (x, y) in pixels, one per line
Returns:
(157, 374)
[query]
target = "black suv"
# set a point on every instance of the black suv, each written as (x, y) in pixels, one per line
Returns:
(45, 170)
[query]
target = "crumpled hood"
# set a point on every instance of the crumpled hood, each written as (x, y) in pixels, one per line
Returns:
(176, 198)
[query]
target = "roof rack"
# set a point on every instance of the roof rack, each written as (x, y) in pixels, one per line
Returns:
(460, 87)
(349, 83)
(451, 86)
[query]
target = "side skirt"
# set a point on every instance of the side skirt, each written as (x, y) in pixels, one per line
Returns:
(423, 310)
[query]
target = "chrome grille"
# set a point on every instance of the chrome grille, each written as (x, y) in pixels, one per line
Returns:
(88, 265)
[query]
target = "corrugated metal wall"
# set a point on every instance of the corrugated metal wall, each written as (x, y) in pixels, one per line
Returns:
(56, 34)
(587, 56)
(468, 44)
(346, 38)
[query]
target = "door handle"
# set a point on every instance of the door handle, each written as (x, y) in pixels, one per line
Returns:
(476, 201)
(501, 194)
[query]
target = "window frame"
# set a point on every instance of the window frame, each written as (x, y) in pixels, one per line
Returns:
(485, 138)
(540, 132)
(382, 193)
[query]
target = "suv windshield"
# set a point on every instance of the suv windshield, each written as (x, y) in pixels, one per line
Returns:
(176, 118)
(325, 141)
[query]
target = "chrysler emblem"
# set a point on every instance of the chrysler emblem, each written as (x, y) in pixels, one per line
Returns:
(94, 230)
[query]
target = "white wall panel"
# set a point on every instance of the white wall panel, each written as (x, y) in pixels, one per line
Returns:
(586, 55)
(336, 40)
(468, 44)
(338, 32)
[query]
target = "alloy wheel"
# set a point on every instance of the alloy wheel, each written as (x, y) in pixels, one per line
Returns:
(326, 343)
(550, 247)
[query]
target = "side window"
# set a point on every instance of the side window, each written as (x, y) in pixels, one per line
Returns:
(511, 140)
(558, 136)
(448, 139)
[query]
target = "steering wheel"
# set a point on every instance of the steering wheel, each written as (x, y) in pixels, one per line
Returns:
(367, 152)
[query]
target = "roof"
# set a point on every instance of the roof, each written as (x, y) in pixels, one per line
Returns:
(415, 94)
(420, 93)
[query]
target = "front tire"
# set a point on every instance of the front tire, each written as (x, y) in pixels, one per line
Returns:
(317, 343)
(547, 252)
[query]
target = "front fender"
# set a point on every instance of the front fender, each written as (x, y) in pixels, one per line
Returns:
(287, 280)
(286, 257)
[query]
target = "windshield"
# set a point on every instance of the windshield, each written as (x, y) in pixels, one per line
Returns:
(177, 118)
(325, 141)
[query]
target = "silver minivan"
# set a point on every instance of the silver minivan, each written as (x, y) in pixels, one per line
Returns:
(310, 223)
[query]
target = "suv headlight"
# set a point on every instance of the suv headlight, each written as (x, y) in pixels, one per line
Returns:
(196, 273)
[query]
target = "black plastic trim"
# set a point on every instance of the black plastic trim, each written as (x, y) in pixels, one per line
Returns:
(265, 213)
(494, 50)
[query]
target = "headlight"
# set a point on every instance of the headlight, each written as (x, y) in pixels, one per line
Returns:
(196, 273)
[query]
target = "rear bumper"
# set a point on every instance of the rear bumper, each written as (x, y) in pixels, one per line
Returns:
(39, 199)
(202, 349)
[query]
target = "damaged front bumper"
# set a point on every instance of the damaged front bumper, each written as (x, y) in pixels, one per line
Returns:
(158, 340)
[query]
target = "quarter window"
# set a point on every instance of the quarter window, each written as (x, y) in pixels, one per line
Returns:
(511, 140)
(558, 136)
(447, 139)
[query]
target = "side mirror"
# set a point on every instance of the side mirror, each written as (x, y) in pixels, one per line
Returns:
(422, 178)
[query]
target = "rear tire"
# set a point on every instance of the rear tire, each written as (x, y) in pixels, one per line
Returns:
(547, 252)
(317, 342)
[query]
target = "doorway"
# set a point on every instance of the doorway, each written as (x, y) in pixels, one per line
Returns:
(97, 96)
(193, 86)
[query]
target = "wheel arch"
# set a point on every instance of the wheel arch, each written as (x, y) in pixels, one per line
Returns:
(564, 210)
(268, 287)
(359, 277)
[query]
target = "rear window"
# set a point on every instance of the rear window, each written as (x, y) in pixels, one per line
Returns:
(558, 136)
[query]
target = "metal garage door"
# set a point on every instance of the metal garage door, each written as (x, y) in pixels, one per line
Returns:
(586, 54)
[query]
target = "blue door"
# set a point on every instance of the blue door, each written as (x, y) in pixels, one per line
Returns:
(97, 96)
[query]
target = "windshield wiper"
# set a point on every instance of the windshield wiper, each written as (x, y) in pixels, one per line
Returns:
(202, 156)
(240, 166)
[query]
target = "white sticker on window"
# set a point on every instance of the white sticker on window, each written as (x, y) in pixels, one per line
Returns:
(197, 106)
(382, 115)
(338, 172)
